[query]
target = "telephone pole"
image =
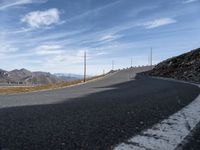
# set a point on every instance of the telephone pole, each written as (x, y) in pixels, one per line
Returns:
(112, 64)
(85, 66)
(151, 59)
(131, 62)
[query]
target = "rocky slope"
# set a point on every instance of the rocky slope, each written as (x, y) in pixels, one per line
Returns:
(3, 76)
(184, 67)
(42, 78)
(19, 75)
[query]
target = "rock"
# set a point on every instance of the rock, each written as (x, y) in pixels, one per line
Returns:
(184, 67)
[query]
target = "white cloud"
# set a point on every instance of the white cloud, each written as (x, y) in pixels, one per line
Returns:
(7, 48)
(66, 59)
(157, 23)
(48, 50)
(4, 4)
(17, 31)
(189, 1)
(94, 11)
(37, 19)
(109, 37)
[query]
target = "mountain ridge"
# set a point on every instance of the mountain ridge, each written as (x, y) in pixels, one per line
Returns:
(24, 76)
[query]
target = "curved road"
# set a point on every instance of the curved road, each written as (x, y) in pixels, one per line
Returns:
(95, 115)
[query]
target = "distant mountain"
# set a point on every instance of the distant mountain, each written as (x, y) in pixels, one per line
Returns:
(19, 75)
(69, 76)
(42, 78)
(3, 76)
(24, 76)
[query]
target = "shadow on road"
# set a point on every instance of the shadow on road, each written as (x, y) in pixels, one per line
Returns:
(96, 121)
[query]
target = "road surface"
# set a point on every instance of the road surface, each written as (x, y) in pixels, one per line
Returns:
(96, 115)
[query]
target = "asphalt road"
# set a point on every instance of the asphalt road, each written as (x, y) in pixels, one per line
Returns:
(96, 115)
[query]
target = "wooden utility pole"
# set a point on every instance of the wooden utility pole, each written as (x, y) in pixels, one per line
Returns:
(131, 62)
(151, 59)
(85, 66)
(112, 64)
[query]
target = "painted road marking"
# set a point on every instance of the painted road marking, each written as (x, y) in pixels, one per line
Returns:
(168, 134)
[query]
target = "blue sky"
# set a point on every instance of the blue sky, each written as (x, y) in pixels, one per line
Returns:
(52, 35)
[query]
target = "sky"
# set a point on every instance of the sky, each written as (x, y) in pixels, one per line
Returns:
(52, 35)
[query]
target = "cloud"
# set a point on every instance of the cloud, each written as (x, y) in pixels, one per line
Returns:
(7, 48)
(109, 37)
(101, 53)
(189, 1)
(55, 57)
(48, 50)
(17, 31)
(93, 11)
(157, 23)
(37, 19)
(12, 3)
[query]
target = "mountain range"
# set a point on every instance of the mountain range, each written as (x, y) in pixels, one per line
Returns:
(24, 76)
(68, 76)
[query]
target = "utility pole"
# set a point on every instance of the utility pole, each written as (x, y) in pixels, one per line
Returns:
(85, 66)
(151, 59)
(112, 64)
(131, 62)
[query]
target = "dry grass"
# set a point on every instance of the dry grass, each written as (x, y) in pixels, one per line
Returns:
(13, 90)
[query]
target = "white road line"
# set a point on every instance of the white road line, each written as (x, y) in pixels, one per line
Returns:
(168, 134)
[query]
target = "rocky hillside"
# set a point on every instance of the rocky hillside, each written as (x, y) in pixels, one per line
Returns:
(19, 75)
(42, 78)
(27, 77)
(3, 76)
(184, 67)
